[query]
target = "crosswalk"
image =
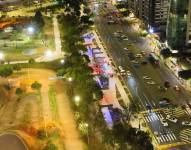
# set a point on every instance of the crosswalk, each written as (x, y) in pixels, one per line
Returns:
(152, 117)
(167, 137)
(185, 135)
(161, 138)
(177, 112)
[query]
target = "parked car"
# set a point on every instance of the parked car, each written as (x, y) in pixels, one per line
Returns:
(151, 82)
(164, 122)
(176, 88)
(172, 119)
(162, 88)
(146, 77)
(111, 22)
(144, 63)
(167, 84)
(121, 70)
(186, 123)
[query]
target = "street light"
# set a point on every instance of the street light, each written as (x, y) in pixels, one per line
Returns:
(62, 61)
(77, 99)
(151, 30)
(30, 30)
(70, 79)
(48, 53)
(1, 56)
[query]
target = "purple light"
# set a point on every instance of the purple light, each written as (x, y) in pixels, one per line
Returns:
(151, 30)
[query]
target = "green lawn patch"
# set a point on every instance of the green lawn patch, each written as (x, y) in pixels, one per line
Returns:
(53, 102)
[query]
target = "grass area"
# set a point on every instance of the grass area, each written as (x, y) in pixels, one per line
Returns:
(53, 103)
(40, 107)
(17, 42)
(26, 118)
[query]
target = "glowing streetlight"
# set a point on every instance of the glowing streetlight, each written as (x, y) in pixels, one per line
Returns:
(70, 79)
(151, 30)
(62, 61)
(86, 124)
(30, 30)
(77, 99)
(1, 56)
(48, 53)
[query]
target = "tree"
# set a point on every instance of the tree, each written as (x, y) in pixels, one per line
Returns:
(39, 20)
(50, 146)
(185, 74)
(6, 70)
(17, 67)
(166, 52)
(31, 61)
(36, 85)
(41, 134)
(19, 92)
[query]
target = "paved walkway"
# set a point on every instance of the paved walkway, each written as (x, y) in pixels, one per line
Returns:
(10, 141)
(71, 136)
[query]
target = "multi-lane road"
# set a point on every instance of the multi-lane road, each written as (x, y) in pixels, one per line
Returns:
(145, 94)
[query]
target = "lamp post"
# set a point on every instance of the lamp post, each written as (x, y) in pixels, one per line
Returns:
(87, 128)
(77, 99)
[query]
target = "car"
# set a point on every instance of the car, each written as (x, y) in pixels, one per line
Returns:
(124, 36)
(129, 44)
(143, 53)
(126, 49)
(164, 102)
(116, 34)
(172, 119)
(128, 73)
(138, 55)
(164, 122)
(144, 63)
(110, 22)
(135, 62)
(162, 88)
(131, 55)
(119, 32)
(121, 70)
(151, 82)
(176, 88)
(186, 123)
(167, 84)
(156, 133)
(146, 77)
(125, 39)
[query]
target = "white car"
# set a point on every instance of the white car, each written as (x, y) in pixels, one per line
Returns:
(186, 123)
(121, 70)
(172, 119)
(164, 122)
(116, 34)
(125, 39)
(126, 49)
(138, 55)
(135, 62)
(146, 77)
(151, 82)
(128, 73)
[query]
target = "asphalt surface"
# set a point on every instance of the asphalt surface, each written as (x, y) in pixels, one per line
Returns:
(144, 94)
(10, 141)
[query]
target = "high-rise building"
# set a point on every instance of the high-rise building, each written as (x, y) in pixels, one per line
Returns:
(153, 13)
(179, 24)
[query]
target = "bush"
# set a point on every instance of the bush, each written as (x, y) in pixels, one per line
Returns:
(50, 146)
(41, 134)
(36, 86)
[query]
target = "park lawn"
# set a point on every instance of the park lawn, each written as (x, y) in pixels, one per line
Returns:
(53, 102)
